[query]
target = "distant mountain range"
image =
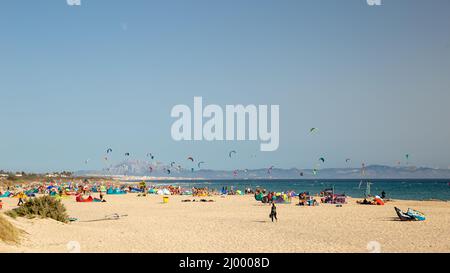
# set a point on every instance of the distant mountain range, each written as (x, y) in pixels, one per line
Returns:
(143, 168)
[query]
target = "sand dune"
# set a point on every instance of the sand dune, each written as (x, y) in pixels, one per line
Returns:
(234, 224)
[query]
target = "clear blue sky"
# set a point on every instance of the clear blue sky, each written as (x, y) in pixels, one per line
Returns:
(77, 80)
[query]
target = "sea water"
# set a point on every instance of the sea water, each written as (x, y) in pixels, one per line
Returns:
(406, 189)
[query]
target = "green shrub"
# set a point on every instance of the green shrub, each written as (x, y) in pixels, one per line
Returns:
(45, 207)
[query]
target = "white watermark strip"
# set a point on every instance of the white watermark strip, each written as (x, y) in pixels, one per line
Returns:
(236, 126)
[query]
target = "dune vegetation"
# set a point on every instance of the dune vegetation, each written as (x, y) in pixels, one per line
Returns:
(44, 207)
(8, 232)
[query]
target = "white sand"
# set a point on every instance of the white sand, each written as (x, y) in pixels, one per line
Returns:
(234, 224)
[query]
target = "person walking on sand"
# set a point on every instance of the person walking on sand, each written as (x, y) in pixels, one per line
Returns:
(21, 196)
(273, 212)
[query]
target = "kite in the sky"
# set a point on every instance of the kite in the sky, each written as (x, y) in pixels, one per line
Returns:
(407, 158)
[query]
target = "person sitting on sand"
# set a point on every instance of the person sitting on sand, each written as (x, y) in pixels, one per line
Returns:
(383, 195)
(364, 202)
(273, 212)
(302, 199)
(312, 201)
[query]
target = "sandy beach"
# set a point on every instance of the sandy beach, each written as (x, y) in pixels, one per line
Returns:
(233, 224)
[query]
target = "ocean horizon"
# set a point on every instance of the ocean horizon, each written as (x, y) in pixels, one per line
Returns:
(403, 189)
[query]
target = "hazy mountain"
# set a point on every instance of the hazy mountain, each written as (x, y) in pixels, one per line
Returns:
(144, 168)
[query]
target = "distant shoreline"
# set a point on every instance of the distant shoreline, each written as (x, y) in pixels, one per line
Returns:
(370, 172)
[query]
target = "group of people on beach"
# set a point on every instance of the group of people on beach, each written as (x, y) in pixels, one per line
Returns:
(375, 200)
(85, 187)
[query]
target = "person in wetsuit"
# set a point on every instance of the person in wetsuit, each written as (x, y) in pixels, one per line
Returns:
(273, 212)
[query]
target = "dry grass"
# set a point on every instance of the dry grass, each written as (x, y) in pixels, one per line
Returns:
(8, 232)
(44, 207)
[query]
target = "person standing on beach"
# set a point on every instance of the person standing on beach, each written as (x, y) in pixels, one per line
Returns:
(145, 190)
(269, 197)
(273, 212)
